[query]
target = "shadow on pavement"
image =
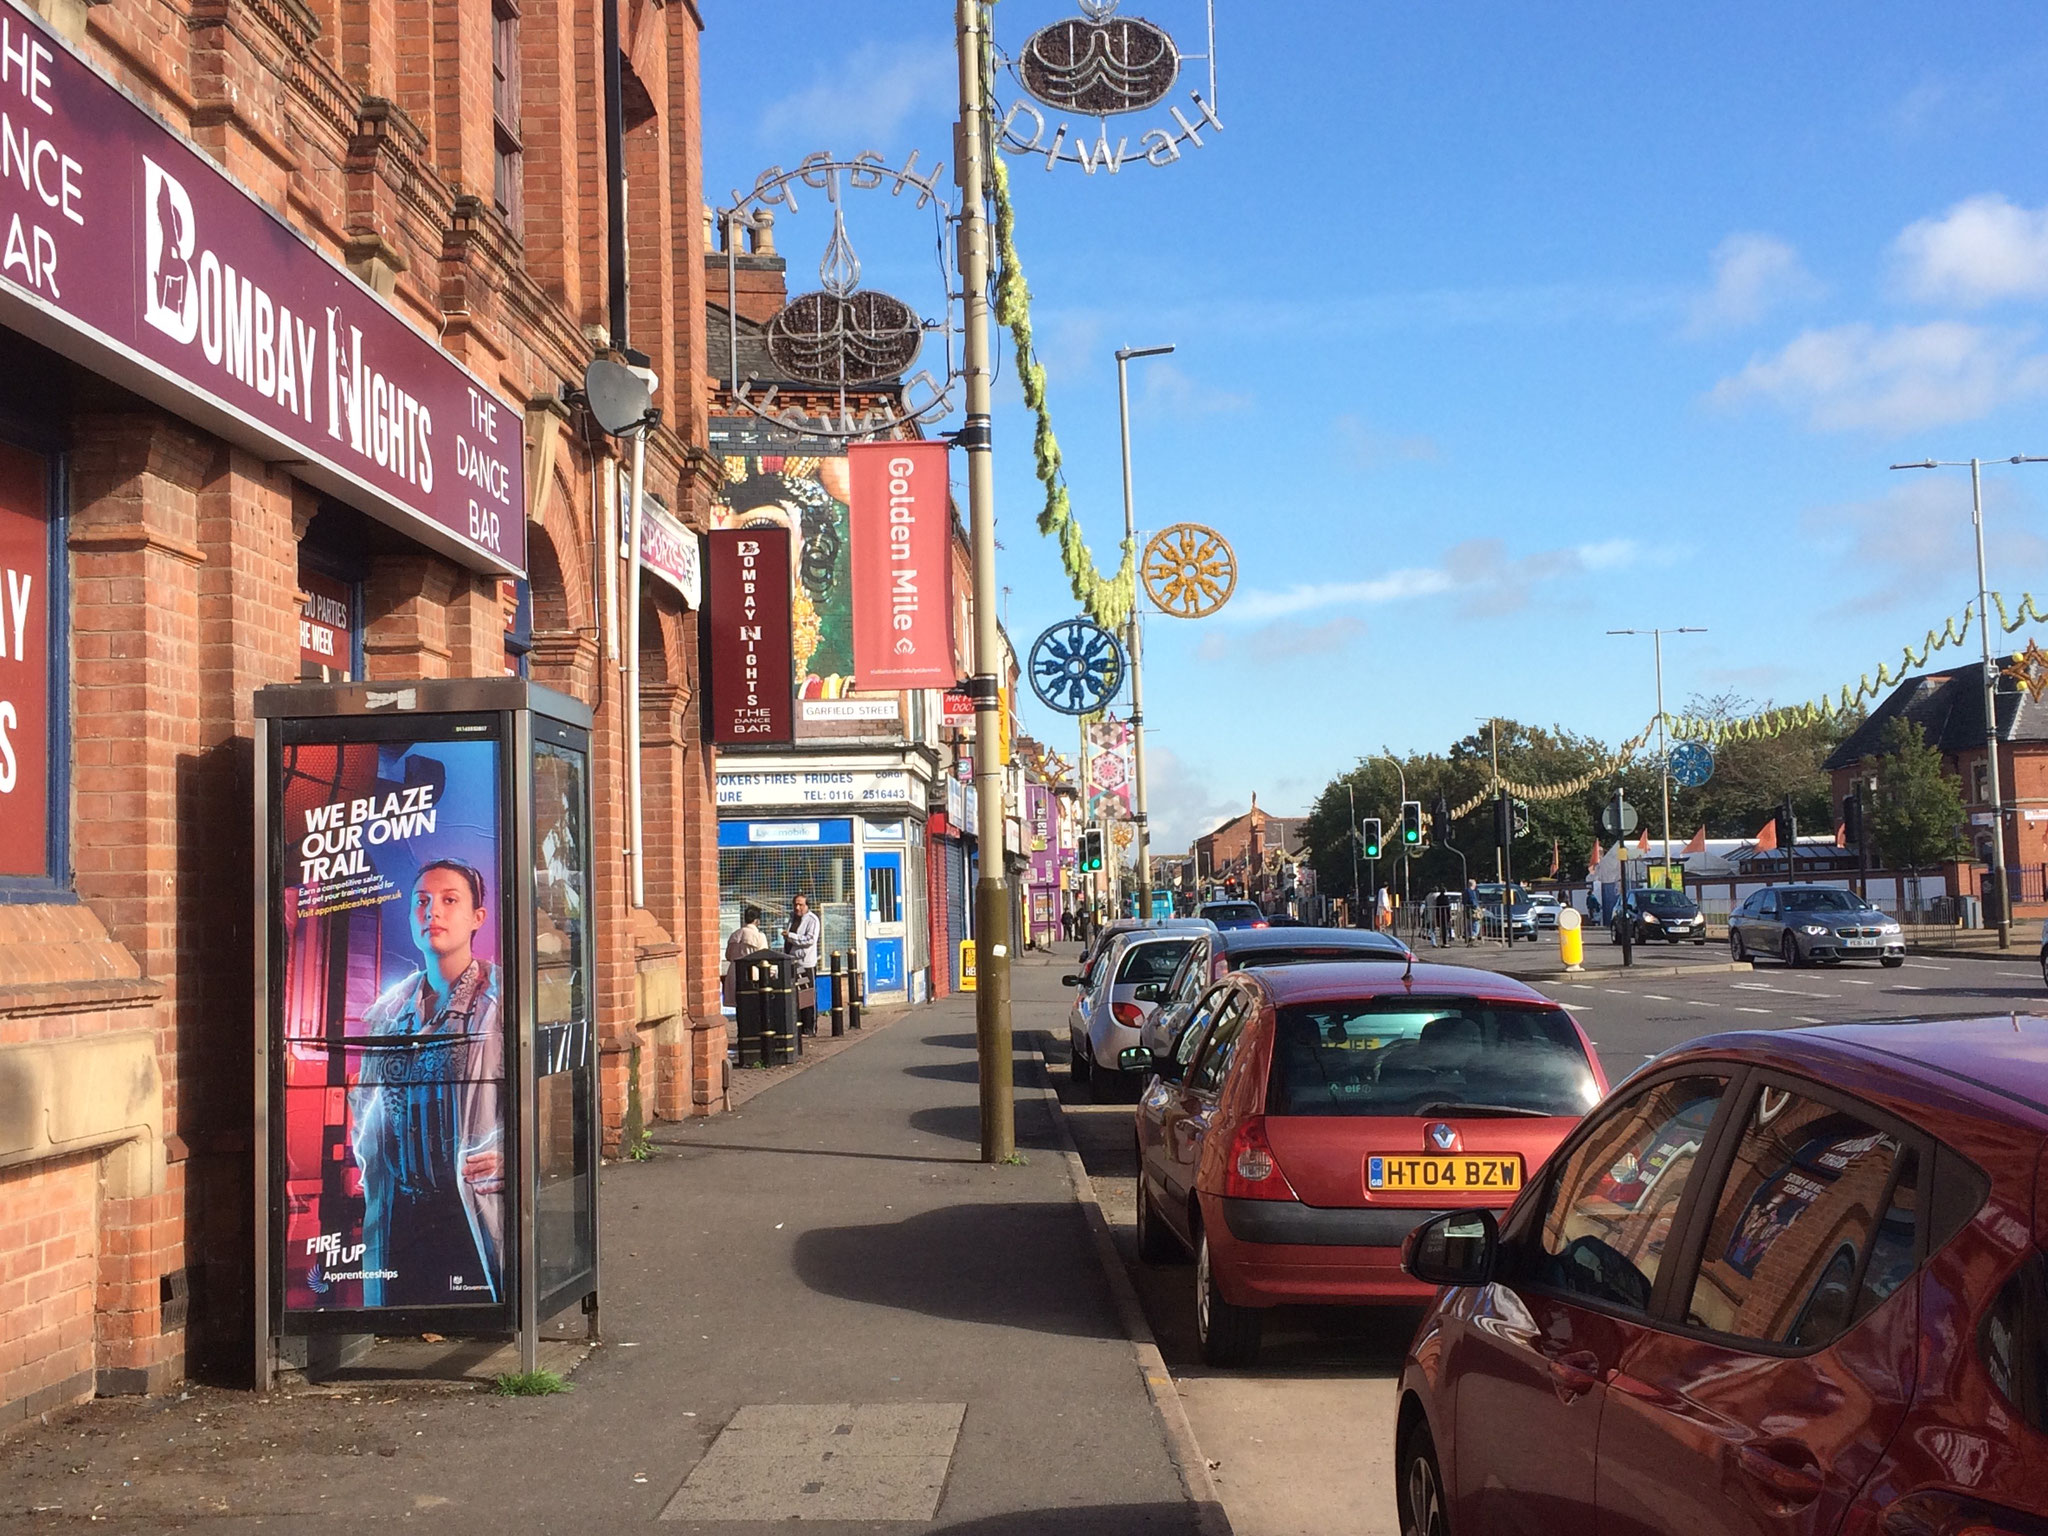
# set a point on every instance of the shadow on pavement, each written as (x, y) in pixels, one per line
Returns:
(962, 1262)
(692, 1144)
(1081, 1520)
(962, 1122)
(1022, 1073)
(965, 1042)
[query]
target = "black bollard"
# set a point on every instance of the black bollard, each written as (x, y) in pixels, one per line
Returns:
(838, 993)
(856, 986)
(778, 1026)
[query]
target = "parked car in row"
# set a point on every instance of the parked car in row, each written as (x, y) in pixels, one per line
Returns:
(1117, 927)
(1114, 997)
(1544, 907)
(1213, 956)
(1654, 913)
(1788, 1281)
(1309, 1116)
(1801, 924)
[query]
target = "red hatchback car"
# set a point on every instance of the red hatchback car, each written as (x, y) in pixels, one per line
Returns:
(1787, 1282)
(1308, 1116)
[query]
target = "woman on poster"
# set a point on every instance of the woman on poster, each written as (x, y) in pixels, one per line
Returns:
(428, 1111)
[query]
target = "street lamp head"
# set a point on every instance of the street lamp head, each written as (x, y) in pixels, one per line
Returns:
(1918, 464)
(1124, 354)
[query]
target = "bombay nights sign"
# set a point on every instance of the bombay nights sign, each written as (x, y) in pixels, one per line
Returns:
(127, 250)
(746, 629)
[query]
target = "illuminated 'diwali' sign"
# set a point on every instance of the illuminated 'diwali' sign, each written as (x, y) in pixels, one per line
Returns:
(856, 338)
(1099, 64)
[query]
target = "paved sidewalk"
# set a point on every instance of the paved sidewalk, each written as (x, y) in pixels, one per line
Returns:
(884, 1328)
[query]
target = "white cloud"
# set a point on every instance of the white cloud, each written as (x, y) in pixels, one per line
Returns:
(1182, 804)
(1170, 391)
(1914, 545)
(1282, 641)
(865, 100)
(1364, 446)
(1858, 378)
(1481, 570)
(1753, 274)
(1983, 249)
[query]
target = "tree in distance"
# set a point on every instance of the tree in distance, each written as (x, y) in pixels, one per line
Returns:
(1919, 813)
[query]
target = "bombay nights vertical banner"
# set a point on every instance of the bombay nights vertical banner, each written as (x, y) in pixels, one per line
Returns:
(902, 566)
(747, 634)
(25, 647)
(393, 1047)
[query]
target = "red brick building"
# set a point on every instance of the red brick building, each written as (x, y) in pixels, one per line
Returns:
(1252, 850)
(212, 480)
(1949, 708)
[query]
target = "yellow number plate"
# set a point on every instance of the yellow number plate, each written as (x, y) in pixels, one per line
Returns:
(1397, 1174)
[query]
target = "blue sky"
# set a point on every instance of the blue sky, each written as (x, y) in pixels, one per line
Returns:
(1498, 327)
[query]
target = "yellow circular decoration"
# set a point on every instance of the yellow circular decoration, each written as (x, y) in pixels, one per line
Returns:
(1123, 834)
(1189, 570)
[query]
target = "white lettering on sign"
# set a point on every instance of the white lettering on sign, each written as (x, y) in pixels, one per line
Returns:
(15, 592)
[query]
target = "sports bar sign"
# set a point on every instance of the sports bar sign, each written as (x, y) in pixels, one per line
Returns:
(746, 621)
(127, 250)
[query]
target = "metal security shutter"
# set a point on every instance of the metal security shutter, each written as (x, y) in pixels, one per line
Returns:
(956, 904)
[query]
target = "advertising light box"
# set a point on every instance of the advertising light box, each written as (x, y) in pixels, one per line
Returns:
(427, 1056)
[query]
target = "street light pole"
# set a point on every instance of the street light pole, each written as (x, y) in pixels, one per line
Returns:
(1998, 880)
(1132, 642)
(1663, 759)
(992, 907)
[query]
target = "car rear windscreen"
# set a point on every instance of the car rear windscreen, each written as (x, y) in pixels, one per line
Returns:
(1152, 962)
(1230, 911)
(1446, 1059)
(1295, 954)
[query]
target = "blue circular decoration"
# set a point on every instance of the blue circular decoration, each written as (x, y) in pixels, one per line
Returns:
(1076, 667)
(1692, 763)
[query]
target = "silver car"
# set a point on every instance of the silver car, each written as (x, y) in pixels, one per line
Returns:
(1117, 995)
(1802, 924)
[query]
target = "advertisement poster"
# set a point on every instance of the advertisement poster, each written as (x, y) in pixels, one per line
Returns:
(902, 566)
(24, 663)
(747, 632)
(806, 493)
(1786, 1195)
(393, 1049)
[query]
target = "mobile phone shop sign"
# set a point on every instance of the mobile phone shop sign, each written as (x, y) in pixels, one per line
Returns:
(126, 249)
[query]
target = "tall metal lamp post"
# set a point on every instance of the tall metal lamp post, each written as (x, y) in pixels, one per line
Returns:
(1663, 758)
(1131, 640)
(1998, 881)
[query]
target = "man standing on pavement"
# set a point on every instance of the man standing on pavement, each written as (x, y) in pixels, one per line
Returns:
(800, 943)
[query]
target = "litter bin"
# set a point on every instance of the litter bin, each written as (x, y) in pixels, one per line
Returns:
(765, 1005)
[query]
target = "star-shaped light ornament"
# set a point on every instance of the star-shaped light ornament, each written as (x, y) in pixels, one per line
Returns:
(2029, 670)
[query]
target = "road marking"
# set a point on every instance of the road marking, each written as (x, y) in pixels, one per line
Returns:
(1657, 997)
(1583, 986)
(1701, 1002)
(1851, 981)
(1752, 1010)
(1907, 986)
(1807, 1019)
(1922, 965)
(1764, 986)
(1618, 991)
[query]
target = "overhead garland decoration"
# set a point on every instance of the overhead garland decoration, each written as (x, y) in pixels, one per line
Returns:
(1564, 791)
(1775, 722)
(1106, 601)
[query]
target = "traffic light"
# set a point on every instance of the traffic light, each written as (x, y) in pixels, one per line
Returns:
(1369, 835)
(1411, 823)
(1091, 849)
(1852, 820)
(1503, 818)
(1440, 821)
(1788, 828)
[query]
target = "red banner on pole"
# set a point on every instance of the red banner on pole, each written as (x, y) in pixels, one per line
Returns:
(746, 620)
(902, 566)
(25, 642)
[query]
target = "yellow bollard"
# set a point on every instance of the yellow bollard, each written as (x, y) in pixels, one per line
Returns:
(1571, 943)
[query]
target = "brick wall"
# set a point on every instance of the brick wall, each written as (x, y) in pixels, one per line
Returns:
(367, 124)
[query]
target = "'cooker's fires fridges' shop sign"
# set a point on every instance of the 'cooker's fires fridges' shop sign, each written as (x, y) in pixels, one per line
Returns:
(127, 250)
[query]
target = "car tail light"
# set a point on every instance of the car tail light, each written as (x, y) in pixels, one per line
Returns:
(1262, 925)
(1251, 1171)
(1130, 1015)
(1947, 1514)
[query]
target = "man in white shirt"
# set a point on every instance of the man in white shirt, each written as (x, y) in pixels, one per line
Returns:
(800, 943)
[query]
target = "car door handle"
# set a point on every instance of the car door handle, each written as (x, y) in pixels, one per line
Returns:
(1576, 1372)
(1784, 1468)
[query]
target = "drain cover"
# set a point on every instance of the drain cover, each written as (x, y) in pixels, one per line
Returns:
(824, 1461)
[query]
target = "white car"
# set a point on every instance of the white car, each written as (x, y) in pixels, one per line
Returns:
(1544, 907)
(1118, 993)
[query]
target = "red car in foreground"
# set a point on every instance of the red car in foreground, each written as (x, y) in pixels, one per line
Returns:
(1308, 1116)
(1787, 1282)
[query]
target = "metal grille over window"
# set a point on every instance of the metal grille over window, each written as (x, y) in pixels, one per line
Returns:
(768, 877)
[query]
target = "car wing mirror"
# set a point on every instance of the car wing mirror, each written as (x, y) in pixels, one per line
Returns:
(1150, 991)
(1070, 981)
(1459, 1248)
(1160, 1064)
